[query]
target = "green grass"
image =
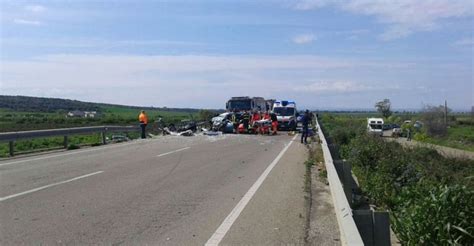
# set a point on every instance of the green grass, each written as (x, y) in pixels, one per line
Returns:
(109, 115)
(459, 137)
(429, 197)
(51, 143)
(132, 113)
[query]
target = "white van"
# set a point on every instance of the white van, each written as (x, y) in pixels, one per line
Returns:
(375, 126)
(286, 114)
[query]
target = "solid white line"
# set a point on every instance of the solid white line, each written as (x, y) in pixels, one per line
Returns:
(47, 186)
(174, 151)
(70, 153)
(219, 234)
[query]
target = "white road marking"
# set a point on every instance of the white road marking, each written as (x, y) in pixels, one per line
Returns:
(47, 186)
(219, 234)
(70, 153)
(174, 151)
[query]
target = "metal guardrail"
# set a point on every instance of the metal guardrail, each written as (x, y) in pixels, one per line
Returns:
(11, 137)
(350, 235)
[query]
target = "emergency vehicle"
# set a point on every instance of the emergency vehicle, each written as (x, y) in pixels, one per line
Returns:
(286, 114)
(375, 126)
(240, 104)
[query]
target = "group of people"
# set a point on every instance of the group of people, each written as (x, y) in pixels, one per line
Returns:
(256, 122)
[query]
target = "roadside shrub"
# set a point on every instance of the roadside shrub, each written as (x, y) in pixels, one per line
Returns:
(430, 197)
(437, 215)
(433, 118)
(343, 136)
(72, 146)
(420, 136)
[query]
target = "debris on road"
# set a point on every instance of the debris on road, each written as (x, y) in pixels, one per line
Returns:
(211, 133)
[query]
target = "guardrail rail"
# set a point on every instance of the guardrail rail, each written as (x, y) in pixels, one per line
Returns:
(11, 137)
(349, 233)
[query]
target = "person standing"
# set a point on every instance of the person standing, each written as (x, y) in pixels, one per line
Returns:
(246, 120)
(274, 120)
(143, 118)
(305, 131)
(235, 121)
(254, 122)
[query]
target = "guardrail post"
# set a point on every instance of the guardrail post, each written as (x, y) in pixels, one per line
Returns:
(11, 146)
(103, 137)
(374, 226)
(347, 181)
(382, 228)
(365, 223)
(66, 142)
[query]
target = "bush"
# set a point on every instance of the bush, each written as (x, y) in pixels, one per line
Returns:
(72, 146)
(441, 215)
(430, 197)
(420, 136)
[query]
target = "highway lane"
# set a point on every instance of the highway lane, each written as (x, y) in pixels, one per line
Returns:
(171, 190)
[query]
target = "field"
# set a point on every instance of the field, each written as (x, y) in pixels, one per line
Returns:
(429, 197)
(460, 135)
(18, 117)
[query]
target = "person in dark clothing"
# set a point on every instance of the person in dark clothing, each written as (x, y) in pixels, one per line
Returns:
(305, 131)
(246, 120)
(273, 118)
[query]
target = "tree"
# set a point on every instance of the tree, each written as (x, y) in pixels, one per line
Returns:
(384, 108)
(433, 119)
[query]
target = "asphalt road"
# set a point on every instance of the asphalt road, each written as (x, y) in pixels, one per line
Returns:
(170, 190)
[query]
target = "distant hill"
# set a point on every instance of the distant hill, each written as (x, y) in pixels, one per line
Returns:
(42, 104)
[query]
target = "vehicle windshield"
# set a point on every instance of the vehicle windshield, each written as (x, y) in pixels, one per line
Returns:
(376, 126)
(284, 111)
(239, 105)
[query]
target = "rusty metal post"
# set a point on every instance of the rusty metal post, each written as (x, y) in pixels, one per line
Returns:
(11, 145)
(103, 137)
(66, 142)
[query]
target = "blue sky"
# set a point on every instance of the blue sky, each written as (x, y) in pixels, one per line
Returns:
(320, 53)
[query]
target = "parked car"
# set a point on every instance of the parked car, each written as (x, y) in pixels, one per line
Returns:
(418, 124)
(396, 131)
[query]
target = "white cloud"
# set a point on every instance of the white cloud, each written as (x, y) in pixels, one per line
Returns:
(464, 42)
(162, 80)
(207, 81)
(35, 8)
(333, 87)
(403, 17)
(304, 39)
(27, 22)
(311, 4)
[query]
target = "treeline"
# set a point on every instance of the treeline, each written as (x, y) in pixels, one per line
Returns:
(39, 104)
(50, 105)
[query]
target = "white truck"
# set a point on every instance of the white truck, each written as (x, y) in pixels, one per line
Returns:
(286, 114)
(246, 103)
(375, 126)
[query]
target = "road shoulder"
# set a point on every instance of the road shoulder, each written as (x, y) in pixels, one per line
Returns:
(276, 214)
(323, 227)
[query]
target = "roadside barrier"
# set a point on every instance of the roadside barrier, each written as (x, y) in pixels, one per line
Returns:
(357, 226)
(349, 233)
(11, 137)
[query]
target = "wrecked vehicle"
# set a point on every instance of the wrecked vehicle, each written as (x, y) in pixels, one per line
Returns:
(223, 123)
(187, 125)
